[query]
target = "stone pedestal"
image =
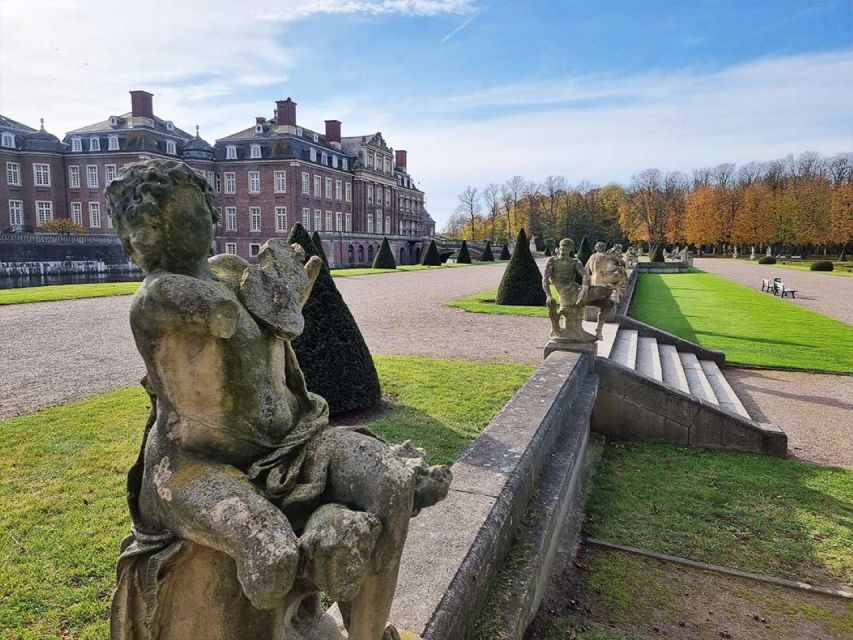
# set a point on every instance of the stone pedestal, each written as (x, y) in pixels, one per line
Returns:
(579, 347)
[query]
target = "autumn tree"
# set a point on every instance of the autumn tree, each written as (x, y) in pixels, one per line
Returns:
(469, 208)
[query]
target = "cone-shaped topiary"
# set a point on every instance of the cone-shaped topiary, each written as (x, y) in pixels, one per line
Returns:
(522, 281)
(657, 254)
(431, 257)
(331, 350)
(318, 244)
(548, 251)
(583, 253)
(464, 256)
(384, 257)
(505, 252)
(487, 253)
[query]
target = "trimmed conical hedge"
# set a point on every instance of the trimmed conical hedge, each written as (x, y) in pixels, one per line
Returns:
(522, 281)
(318, 244)
(505, 252)
(464, 256)
(431, 257)
(384, 257)
(331, 350)
(487, 253)
(583, 253)
(657, 254)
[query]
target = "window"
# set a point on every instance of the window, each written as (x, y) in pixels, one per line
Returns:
(370, 194)
(231, 219)
(77, 212)
(211, 179)
(306, 183)
(73, 177)
(255, 151)
(230, 182)
(387, 196)
(345, 164)
(13, 174)
(112, 143)
(109, 222)
(170, 126)
(318, 186)
(339, 188)
(387, 165)
(299, 131)
(306, 217)
(281, 218)
(219, 216)
(231, 248)
(41, 175)
(335, 161)
(170, 147)
(76, 144)
(377, 162)
(317, 215)
(254, 219)
(231, 153)
(44, 211)
(94, 144)
(312, 154)
(315, 137)
(387, 225)
(8, 140)
(254, 182)
(348, 192)
(109, 173)
(217, 179)
(16, 212)
(368, 160)
(349, 221)
(328, 226)
(92, 176)
(369, 223)
(324, 159)
(254, 250)
(280, 182)
(338, 221)
(329, 188)
(95, 215)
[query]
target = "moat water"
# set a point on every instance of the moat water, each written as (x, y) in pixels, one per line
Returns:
(77, 278)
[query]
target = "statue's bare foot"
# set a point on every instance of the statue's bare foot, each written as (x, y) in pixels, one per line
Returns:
(391, 633)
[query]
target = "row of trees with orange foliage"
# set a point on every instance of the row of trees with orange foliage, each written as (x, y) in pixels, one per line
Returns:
(798, 204)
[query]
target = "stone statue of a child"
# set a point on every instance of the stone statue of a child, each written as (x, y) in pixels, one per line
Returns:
(561, 271)
(245, 503)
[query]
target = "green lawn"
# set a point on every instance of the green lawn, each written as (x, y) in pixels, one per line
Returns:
(768, 515)
(485, 303)
(62, 506)
(841, 268)
(751, 327)
(66, 292)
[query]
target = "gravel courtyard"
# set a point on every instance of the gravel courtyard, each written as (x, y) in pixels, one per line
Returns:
(827, 294)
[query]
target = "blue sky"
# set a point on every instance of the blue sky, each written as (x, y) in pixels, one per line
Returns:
(477, 91)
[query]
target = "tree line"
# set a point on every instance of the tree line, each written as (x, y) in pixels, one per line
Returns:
(799, 204)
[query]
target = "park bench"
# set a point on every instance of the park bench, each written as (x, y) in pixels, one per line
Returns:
(767, 284)
(785, 290)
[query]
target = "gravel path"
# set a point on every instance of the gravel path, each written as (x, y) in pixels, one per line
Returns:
(827, 294)
(815, 410)
(54, 352)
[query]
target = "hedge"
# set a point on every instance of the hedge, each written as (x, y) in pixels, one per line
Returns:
(657, 254)
(384, 257)
(431, 257)
(318, 244)
(331, 350)
(505, 252)
(464, 256)
(487, 253)
(767, 260)
(521, 283)
(822, 265)
(584, 253)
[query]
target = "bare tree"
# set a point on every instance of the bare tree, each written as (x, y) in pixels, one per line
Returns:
(511, 192)
(491, 196)
(469, 207)
(554, 187)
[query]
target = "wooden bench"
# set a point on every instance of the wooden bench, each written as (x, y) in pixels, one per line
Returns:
(785, 290)
(766, 285)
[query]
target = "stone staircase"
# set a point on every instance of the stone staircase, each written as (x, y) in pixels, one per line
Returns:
(663, 362)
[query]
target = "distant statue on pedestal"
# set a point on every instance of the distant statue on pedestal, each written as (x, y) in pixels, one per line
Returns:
(752, 252)
(631, 258)
(734, 253)
(769, 251)
(245, 503)
(562, 271)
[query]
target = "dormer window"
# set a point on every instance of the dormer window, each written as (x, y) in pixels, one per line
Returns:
(345, 164)
(230, 152)
(112, 144)
(335, 162)
(255, 150)
(299, 131)
(313, 155)
(8, 140)
(113, 121)
(324, 159)
(170, 147)
(170, 126)
(259, 128)
(94, 144)
(316, 138)
(76, 144)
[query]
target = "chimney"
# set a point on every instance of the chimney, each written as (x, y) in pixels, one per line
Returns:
(141, 104)
(260, 119)
(333, 133)
(400, 159)
(286, 112)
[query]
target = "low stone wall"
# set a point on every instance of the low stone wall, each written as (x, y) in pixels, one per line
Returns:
(56, 253)
(631, 406)
(455, 549)
(663, 267)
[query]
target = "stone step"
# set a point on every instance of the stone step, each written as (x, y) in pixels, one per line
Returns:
(696, 379)
(673, 370)
(726, 396)
(609, 331)
(625, 348)
(648, 358)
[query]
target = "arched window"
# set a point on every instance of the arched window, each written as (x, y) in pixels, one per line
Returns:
(350, 255)
(360, 254)
(255, 151)
(370, 253)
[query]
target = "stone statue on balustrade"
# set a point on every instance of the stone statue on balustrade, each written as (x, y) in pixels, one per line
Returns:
(562, 271)
(631, 258)
(245, 503)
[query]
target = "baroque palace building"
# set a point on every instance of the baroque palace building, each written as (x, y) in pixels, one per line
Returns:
(353, 190)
